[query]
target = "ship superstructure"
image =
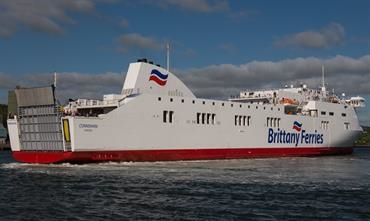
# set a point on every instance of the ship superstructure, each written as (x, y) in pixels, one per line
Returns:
(156, 117)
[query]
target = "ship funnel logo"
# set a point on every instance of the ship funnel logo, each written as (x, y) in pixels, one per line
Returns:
(297, 126)
(158, 77)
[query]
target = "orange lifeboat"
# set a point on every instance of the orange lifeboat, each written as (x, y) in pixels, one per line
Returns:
(288, 101)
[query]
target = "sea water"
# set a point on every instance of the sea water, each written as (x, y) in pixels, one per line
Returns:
(292, 188)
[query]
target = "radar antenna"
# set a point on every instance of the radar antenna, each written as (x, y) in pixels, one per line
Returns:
(323, 88)
(168, 56)
(55, 79)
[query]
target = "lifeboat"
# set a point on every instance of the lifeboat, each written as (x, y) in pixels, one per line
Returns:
(333, 99)
(288, 101)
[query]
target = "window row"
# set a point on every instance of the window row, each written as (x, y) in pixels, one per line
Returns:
(223, 104)
(273, 122)
(206, 118)
(332, 114)
(324, 125)
(242, 120)
(324, 113)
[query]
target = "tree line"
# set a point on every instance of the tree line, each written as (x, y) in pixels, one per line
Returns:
(3, 114)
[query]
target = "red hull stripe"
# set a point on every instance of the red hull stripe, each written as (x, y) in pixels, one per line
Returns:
(157, 80)
(171, 155)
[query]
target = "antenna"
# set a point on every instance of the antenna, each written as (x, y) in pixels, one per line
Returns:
(168, 56)
(323, 75)
(54, 86)
(55, 79)
(323, 88)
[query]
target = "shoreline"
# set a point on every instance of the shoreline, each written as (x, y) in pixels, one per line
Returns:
(4, 147)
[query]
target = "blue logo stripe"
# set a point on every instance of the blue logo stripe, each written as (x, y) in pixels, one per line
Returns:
(159, 74)
(296, 123)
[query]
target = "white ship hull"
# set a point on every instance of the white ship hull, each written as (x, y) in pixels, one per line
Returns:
(160, 127)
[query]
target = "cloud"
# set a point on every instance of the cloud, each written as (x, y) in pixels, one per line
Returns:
(195, 5)
(361, 40)
(6, 81)
(78, 85)
(200, 6)
(69, 84)
(42, 15)
(237, 16)
(124, 23)
(344, 74)
(134, 41)
(330, 35)
(228, 47)
(204, 6)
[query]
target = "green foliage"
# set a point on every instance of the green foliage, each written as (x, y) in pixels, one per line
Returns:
(364, 139)
(3, 113)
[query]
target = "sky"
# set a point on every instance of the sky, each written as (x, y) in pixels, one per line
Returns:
(218, 48)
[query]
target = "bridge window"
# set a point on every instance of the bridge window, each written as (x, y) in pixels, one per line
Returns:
(167, 116)
(213, 118)
(171, 117)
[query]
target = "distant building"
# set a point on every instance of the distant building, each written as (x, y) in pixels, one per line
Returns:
(3, 134)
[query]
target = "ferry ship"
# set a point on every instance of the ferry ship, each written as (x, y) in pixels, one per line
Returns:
(156, 117)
